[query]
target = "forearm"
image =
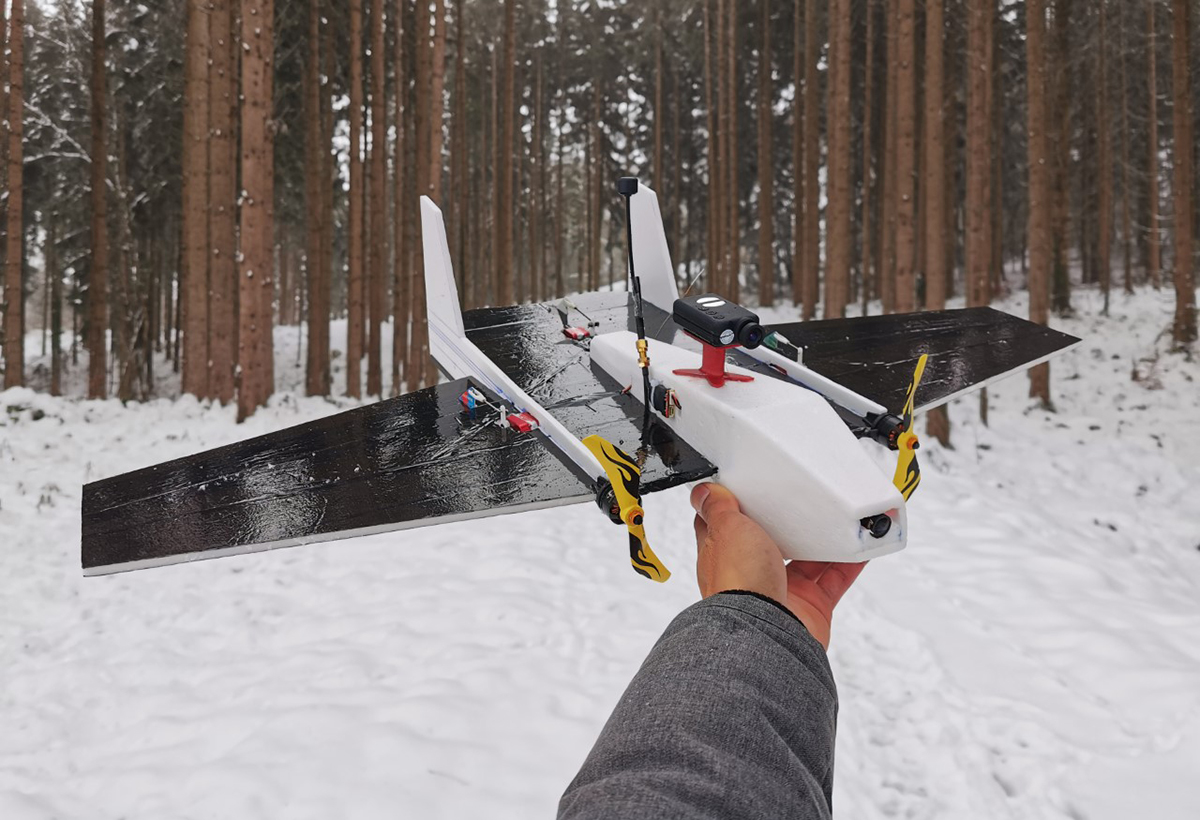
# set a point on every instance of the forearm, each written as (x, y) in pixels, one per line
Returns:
(732, 714)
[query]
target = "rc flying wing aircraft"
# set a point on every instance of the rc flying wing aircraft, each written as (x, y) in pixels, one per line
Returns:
(600, 398)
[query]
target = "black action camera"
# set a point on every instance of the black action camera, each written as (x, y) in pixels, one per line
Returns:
(718, 322)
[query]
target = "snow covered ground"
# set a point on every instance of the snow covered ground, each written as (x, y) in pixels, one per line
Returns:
(1035, 653)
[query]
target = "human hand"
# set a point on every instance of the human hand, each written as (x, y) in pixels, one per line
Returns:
(733, 552)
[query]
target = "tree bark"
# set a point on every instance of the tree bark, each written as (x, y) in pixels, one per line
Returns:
(256, 359)
(401, 300)
(766, 167)
(54, 275)
(195, 202)
(1061, 281)
(732, 119)
(712, 82)
(223, 196)
(98, 275)
(1038, 232)
(906, 124)
(1104, 157)
(1183, 328)
(356, 286)
(867, 179)
(1153, 237)
(837, 271)
(315, 209)
(377, 274)
(811, 268)
(504, 187)
(979, 149)
(933, 191)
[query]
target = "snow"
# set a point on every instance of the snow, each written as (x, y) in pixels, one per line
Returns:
(1034, 653)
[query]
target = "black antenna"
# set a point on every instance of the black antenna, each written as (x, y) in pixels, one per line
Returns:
(627, 187)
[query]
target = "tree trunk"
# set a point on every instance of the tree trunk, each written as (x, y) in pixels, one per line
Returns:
(1183, 329)
(1126, 217)
(766, 167)
(1038, 232)
(732, 158)
(797, 154)
(1153, 237)
(195, 202)
(979, 149)
(1061, 281)
(256, 358)
(887, 225)
(839, 161)
(54, 275)
(356, 288)
(906, 125)
(98, 275)
(315, 209)
(810, 270)
(378, 199)
(1104, 156)
(867, 179)
(401, 301)
(223, 195)
(711, 101)
(504, 187)
(933, 190)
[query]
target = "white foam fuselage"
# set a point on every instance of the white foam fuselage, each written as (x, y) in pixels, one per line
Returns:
(781, 449)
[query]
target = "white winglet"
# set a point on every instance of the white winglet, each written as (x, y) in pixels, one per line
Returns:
(651, 256)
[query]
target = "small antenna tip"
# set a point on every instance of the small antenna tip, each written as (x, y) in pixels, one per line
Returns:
(627, 186)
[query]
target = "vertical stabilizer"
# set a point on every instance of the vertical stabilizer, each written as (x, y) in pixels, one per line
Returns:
(441, 293)
(651, 256)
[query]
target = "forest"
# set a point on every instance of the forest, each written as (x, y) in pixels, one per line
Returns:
(181, 177)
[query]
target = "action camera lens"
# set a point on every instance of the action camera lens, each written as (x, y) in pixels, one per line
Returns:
(751, 335)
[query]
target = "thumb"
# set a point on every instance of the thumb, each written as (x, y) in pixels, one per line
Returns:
(711, 500)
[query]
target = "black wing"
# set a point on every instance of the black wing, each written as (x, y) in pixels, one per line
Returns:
(969, 348)
(404, 462)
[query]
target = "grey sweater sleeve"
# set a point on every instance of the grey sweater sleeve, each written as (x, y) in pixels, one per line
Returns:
(732, 715)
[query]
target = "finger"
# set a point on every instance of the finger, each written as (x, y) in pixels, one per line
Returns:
(809, 569)
(712, 500)
(837, 579)
(701, 530)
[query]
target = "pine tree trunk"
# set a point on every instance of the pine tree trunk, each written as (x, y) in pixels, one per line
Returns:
(1038, 232)
(766, 167)
(867, 179)
(506, 294)
(459, 163)
(414, 367)
(55, 276)
(195, 202)
(98, 275)
(979, 149)
(222, 158)
(933, 190)
(1153, 236)
(798, 257)
(536, 183)
(1104, 156)
(732, 119)
(838, 163)
(906, 125)
(401, 302)
(256, 359)
(887, 225)
(657, 174)
(712, 83)
(328, 175)
(356, 286)
(315, 210)
(1060, 288)
(810, 270)
(378, 206)
(1183, 329)
(1126, 216)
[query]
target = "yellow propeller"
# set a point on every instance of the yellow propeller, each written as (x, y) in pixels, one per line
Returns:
(626, 479)
(908, 471)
